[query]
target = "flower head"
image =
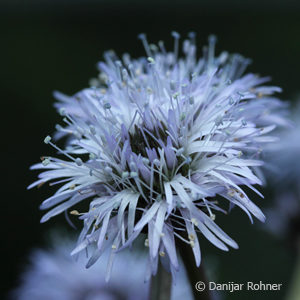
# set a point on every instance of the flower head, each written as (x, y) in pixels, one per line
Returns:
(53, 274)
(152, 144)
(282, 156)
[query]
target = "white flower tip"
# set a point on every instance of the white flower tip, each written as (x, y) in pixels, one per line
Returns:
(125, 175)
(46, 162)
(175, 34)
(44, 219)
(234, 245)
(151, 60)
(142, 36)
(133, 174)
(47, 139)
(92, 156)
(62, 111)
(213, 217)
(192, 34)
(78, 161)
(212, 38)
(146, 243)
(108, 170)
(58, 127)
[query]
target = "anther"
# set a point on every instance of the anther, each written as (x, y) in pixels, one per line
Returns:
(74, 212)
(175, 95)
(162, 253)
(194, 221)
(191, 237)
(146, 243)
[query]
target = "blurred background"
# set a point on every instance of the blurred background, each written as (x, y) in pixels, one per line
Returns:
(51, 45)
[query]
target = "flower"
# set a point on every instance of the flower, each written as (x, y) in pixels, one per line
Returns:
(282, 156)
(53, 274)
(154, 142)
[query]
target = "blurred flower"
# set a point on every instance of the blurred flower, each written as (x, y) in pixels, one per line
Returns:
(152, 144)
(284, 177)
(283, 155)
(53, 274)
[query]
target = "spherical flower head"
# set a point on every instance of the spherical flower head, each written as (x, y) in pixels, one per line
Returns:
(157, 146)
(54, 274)
(283, 156)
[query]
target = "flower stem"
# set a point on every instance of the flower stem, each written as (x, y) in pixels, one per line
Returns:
(161, 285)
(195, 274)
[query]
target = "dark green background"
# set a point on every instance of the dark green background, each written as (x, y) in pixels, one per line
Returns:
(54, 45)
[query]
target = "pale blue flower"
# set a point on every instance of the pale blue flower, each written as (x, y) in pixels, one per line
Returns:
(283, 156)
(53, 274)
(153, 142)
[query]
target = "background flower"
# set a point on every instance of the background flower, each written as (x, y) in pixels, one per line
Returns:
(54, 274)
(283, 176)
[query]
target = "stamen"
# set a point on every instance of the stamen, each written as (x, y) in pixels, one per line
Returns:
(176, 36)
(143, 38)
(211, 50)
